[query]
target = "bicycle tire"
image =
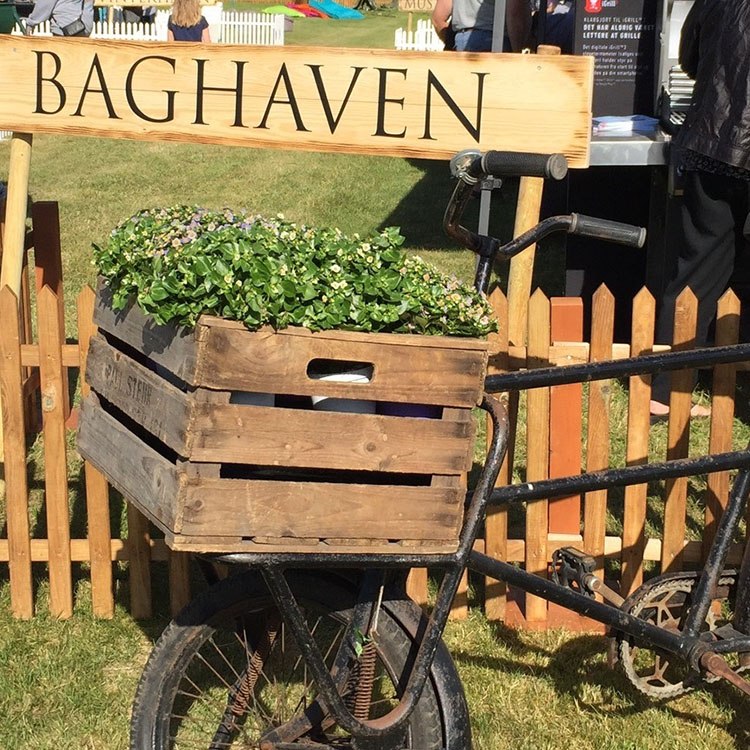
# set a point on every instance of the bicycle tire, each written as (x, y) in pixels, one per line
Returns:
(187, 674)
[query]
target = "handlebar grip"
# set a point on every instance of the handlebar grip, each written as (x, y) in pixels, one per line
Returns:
(518, 164)
(610, 231)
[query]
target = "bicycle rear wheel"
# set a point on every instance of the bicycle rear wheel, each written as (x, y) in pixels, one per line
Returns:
(226, 670)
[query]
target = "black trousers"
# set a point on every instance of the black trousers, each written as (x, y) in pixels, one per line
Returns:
(713, 219)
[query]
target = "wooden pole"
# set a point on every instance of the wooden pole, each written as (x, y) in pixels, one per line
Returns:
(14, 236)
(522, 266)
(14, 233)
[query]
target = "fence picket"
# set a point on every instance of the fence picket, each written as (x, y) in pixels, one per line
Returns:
(678, 440)
(139, 563)
(722, 413)
(634, 511)
(597, 438)
(55, 456)
(97, 488)
(179, 580)
(14, 439)
(537, 450)
(496, 523)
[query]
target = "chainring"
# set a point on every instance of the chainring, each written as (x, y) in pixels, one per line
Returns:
(662, 601)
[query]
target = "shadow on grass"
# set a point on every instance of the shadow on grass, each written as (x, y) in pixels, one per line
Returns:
(577, 664)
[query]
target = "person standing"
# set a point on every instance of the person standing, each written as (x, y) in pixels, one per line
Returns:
(714, 144)
(470, 23)
(66, 17)
(187, 24)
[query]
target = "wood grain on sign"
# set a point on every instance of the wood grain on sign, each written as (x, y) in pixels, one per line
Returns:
(411, 104)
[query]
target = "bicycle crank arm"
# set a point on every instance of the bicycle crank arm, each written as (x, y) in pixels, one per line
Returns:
(715, 665)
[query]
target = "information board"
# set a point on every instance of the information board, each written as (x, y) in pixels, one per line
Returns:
(622, 37)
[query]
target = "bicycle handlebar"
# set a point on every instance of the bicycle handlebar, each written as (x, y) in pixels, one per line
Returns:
(473, 166)
(508, 164)
(610, 231)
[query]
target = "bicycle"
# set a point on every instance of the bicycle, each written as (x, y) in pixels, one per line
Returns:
(364, 668)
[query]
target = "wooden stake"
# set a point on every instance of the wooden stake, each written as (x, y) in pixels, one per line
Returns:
(522, 266)
(14, 434)
(537, 450)
(634, 513)
(685, 317)
(97, 488)
(16, 206)
(597, 440)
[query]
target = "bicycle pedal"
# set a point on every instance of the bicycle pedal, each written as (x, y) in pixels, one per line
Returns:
(573, 568)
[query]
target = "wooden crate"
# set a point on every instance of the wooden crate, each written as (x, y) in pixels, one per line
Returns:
(231, 477)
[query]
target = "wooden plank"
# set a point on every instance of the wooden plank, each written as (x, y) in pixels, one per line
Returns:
(16, 205)
(496, 520)
(261, 361)
(179, 581)
(55, 457)
(135, 469)
(97, 488)
(237, 507)
(437, 370)
(381, 102)
(537, 451)
(159, 551)
(14, 465)
(528, 207)
(139, 568)
(146, 397)
(597, 439)
(566, 410)
(170, 346)
(271, 436)
(722, 414)
(639, 387)
(45, 218)
(678, 438)
(14, 227)
(416, 586)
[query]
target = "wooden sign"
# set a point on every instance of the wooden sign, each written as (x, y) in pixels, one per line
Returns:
(417, 6)
(410, 104)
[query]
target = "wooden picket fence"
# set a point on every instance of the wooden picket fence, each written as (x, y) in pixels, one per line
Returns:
(33, 387)
(227, 27)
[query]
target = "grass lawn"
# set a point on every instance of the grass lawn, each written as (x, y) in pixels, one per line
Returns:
(66, 685)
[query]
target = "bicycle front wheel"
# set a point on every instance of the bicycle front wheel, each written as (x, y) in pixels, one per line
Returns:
(226, 670)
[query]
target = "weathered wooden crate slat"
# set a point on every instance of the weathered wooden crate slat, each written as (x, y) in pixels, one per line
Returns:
(219, 354)
(215, 475)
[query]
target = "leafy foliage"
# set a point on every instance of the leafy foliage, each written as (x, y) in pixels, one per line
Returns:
(181, 262)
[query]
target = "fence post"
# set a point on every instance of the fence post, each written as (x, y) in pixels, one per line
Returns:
(537, 450)
(14, 439)
(597, 439)
(45, 217)
(97, 488)
(639, 418)
(565, 410)
(55, 455)
(496, 522)
(673, 544)
(722, 414)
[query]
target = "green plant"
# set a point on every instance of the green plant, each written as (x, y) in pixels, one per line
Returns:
(181, 262)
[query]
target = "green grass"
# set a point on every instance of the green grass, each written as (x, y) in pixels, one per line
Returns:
(70, 684)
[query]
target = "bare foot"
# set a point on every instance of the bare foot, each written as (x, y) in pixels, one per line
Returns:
(657, 409)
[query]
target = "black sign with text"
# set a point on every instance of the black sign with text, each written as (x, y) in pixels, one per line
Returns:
(622, 37)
